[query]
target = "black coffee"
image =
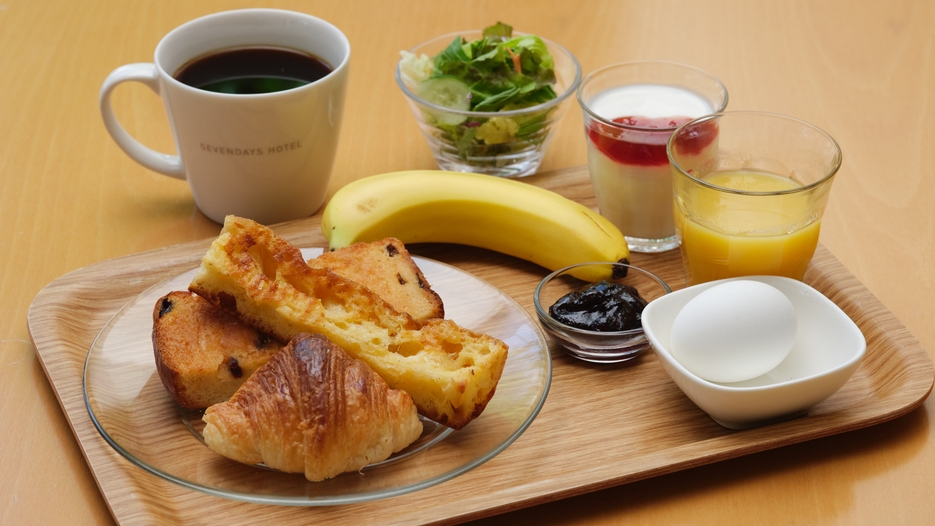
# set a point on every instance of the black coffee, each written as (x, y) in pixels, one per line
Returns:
(251, 70)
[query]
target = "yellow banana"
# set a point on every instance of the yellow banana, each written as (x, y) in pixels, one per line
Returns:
(512, 217)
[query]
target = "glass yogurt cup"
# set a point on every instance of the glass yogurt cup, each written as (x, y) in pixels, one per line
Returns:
(630, 111)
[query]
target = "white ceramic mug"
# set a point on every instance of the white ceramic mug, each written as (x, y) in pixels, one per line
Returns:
(267, 157)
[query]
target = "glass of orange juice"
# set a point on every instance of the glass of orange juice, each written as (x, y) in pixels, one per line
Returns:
(752, 205)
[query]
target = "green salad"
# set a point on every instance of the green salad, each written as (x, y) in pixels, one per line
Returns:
(495, 73)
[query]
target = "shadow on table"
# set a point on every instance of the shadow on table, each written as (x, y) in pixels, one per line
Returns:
(711, 486)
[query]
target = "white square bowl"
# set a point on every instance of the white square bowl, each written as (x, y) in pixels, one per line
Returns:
(828, 348)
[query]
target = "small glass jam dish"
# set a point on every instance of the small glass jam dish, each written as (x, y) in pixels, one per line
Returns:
(597, 346)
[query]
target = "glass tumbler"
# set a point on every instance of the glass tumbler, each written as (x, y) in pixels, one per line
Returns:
(753, 205)
(630, 111)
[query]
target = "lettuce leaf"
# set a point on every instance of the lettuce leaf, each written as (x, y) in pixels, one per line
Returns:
(501, 70)
(498, 30)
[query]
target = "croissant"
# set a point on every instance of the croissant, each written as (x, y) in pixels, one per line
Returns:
(313, 409)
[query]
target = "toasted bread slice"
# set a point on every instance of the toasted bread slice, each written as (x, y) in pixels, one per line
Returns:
(450, 372)
(386, 268)
(204, 354)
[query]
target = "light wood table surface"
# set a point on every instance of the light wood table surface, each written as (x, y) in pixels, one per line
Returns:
(862, 70)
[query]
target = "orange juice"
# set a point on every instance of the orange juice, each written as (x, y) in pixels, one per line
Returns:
(726, 235)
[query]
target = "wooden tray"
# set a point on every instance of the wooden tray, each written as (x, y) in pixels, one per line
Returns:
(601, 425)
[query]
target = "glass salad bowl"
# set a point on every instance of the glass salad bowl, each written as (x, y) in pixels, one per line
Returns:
(494, 118)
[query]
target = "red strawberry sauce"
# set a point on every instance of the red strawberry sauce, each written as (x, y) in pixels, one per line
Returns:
(642, 140)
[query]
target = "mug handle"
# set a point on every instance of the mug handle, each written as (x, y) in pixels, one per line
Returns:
(147, 74)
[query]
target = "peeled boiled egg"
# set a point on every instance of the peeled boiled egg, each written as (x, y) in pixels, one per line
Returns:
(734, 331)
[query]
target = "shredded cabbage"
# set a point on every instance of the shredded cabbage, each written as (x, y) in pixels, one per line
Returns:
(414, 69)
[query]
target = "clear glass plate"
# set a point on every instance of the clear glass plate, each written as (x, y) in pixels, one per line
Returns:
(135, 415)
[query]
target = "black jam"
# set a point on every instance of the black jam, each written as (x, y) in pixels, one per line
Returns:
(602, 306)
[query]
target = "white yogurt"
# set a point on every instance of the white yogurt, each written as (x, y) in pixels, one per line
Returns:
(649, 100)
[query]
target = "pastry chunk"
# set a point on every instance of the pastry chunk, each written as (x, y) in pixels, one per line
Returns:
(202, 353)
(386, 268)
(313, 409)
(450, 372)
